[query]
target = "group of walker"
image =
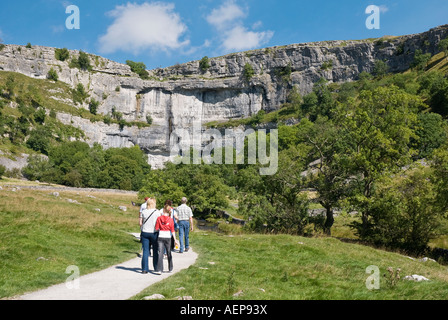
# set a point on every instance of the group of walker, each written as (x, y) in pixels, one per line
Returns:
(158, 230)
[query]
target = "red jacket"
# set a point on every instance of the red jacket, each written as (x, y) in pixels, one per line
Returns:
(164, 223)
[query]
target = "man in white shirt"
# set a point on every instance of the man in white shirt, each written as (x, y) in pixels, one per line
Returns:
(185, 219)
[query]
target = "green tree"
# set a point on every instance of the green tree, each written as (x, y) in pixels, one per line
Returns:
(39, 140)
(431, 133)
(93, 106)
(380, 69)
(443, 46)
(421, 60)
(330, 173)
(248, 72)
(52, 75)
(61, 54)
(204, 64)
(378, 129)
(139, 68)
(404, 213)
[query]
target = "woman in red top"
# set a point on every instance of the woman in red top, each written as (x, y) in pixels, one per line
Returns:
(165, 226)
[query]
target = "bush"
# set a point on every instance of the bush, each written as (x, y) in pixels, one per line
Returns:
(204, 64)
(248, 72)
(420, 60)
(82, 62)
(381, 68)
(93, 106)
(149, 119)
(52, 75)
(61, 54)
(79, 94)
(2, 171)
(404, 213)
(139, 68)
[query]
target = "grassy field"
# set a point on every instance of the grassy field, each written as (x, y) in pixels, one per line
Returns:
(41, 235)
(283, 267)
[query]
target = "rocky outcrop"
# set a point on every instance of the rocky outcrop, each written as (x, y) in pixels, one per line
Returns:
(177, 96)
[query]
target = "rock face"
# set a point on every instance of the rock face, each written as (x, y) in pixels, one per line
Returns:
(177, 96)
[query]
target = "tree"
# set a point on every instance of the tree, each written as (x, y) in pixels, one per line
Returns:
(84, 61)
(380, 69)
(52, 75)
(378, 130)
(420, 60)
(139, 68)
(93, 106)
(431, 133)
(330, 175)
(39, 140)
(61, 54)
(404, 213)
(443, 46)
(2, 171)
(204, 64)
(248, 72)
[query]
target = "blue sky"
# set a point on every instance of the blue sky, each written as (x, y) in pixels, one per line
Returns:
(163, 33)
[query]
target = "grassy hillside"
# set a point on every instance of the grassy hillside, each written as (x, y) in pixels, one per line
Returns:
(41, 235)
(283, 267)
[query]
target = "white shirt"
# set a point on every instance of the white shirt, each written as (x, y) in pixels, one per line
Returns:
(151, 222)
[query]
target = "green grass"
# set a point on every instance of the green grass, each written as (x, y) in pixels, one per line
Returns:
(283, 267)
(41, 235)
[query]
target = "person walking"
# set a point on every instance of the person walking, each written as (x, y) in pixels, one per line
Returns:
(148, 219)
(165, 227)
(185, 221)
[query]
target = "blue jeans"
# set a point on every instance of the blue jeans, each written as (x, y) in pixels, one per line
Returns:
(184, 231)
(149, 239)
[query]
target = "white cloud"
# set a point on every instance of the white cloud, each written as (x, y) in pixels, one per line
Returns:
(228, 20)
(149, 26)
(239, 38)
(225, 14)
(384, 8)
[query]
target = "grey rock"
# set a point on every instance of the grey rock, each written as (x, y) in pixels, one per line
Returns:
(154, 297)
(178, 96)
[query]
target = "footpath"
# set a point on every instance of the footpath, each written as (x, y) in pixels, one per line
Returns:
(119, 282)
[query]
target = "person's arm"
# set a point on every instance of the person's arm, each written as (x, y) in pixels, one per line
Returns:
(173, 233)
(157, 227)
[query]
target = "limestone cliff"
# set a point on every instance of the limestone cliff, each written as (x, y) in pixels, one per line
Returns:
(177, 96)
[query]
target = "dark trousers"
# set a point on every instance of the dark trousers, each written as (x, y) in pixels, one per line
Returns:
(148, 240)
(164, 244)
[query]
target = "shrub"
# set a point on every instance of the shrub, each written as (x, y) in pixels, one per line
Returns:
(248, 72)
(52, 75)
(93, 106)
(79, 94)
(420, 60)
(380, 69)
(61, 54)
(2, 171)
(82, 62)
(149, 119)
(139, 68)
(28, 45)
(204, 64)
